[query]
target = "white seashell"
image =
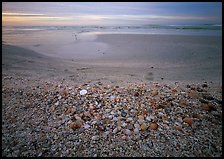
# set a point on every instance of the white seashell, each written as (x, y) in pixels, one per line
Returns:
(124, 124)
(112, 98)
(150, 118)
(127, 132)
(83, 92)
(115, 130)
(87, 126)
(137, 126)
(129, 119)
(136, 131)
(95, 137)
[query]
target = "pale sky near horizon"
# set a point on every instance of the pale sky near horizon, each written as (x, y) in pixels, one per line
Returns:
(109, 13)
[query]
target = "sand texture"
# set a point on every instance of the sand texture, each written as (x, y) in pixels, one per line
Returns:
(147, 95)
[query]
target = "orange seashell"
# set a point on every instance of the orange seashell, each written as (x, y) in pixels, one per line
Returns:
(65, 92)
(183, 102)
(152, 101)
(154, 92)
(153, 126)
(145, 113)
(143, 127)
(141, 117)
(208, 107)
(75, 125)
(157, 106)
(193, 94)
(188, 120)
(70, 110)
(87, 114)
(178, 128)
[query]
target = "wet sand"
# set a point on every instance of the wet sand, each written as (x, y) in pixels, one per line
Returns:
(130, 58)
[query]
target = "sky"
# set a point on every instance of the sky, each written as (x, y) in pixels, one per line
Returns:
(109, 13)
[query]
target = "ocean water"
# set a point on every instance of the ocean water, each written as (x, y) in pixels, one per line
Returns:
(24, 34)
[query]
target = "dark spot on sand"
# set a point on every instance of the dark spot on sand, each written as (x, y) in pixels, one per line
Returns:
(149, 76)
(37, 45)
(83, 68)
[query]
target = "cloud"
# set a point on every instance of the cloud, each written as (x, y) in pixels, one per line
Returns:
(20, 14)
(81, 13)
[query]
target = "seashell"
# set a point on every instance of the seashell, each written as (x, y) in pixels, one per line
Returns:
(75, 125)
(145, 113)
(208, 107)
(115, 130)
(65, 93)
(152, 101)
(154, 92)
(127, 132)
(153, 126)
(92, 107)
(143, 127)
(86, 126)
(129, 119)
(136, 131)
(193, 94)
(178, 127)
(83, 92)
(70, 110)
(124, 124)
(95, 137)
(57, 103)
(141, 117)
(107, 110)
(183, 102)
(87, 114)
(130, 126)
(137, 126)
(100, 127)
(150, 118)
(78, 117)
(157, 106)
(188, 120)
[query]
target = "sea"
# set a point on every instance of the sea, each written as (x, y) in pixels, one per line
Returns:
(19, 34)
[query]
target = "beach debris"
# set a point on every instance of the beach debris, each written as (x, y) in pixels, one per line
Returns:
(115, 114)
(75, 125)
(57, 103)
(144, 126)
(83, 92)
(188, 120)
(83, 68)
(127, 132)
(208, 107)
(153, 125)
(96, 137)
(70, 110)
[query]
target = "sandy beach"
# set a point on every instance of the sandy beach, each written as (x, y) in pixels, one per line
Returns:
(39, 87)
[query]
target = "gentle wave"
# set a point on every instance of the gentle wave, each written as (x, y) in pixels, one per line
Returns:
(203, 29)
